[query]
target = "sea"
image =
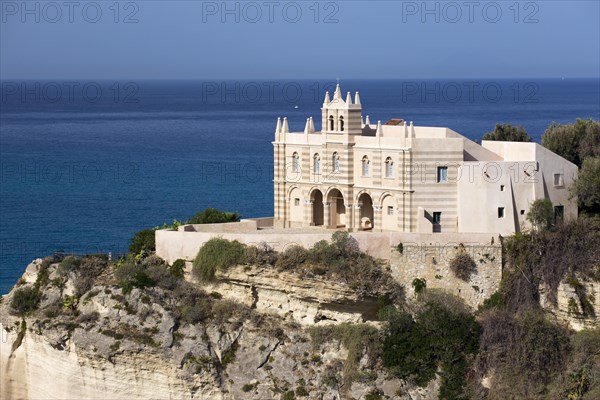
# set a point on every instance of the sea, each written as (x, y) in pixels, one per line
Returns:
(86, 164)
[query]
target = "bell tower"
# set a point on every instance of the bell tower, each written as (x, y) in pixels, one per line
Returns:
(341, 117)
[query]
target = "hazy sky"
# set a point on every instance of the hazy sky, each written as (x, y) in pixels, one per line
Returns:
(302, 39)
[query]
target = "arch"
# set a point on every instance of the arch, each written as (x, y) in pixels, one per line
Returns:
(366, 216)
(317, 164)
(337, 210)
(383, 196)
(389, 217)
(331, 123)
(316, 198)
(341, 123)
(365, 166)
(289, 191)
(295, 205)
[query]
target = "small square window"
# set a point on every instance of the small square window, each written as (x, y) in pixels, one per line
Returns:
(442, 174)
(500, 212)
(522, 212)
(390, 210)
(502, 188)
(437, 217)
(558, 180)
(296, 202)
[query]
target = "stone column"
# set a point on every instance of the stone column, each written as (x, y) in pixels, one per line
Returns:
(349, 218)
(311, 213)
(377, 210)
(327, 215)
(357, 216)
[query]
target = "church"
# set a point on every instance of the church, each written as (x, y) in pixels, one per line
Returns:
(395, 176)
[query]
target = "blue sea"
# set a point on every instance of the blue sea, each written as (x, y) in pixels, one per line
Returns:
(86, 164)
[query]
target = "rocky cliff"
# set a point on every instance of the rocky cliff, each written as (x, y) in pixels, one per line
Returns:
(148, 344)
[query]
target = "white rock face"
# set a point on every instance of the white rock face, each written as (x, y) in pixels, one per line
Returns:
(568, 304)
(308, 301)
(36, 370)
(249, 355)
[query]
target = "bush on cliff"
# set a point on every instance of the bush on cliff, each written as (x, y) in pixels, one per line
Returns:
(26, 300)
(213, 216)
(548, 257)
(147, 272)
(143, 240)
(525, 352)
(441, 337)
(217, 254)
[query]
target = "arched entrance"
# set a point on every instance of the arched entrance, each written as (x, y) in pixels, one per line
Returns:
(317, 208)
(366, 217)
(337, 209)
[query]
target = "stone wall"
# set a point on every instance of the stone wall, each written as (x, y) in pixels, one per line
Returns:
(425, 255)
(430, 261)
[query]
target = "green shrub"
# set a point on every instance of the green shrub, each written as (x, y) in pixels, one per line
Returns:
(541, 214)
(132, 275)
(356, 338)
(289, 395)
(526, 352)
(419, 285)
(90, 267)
(374, 394)
(324, 253)
(25, 300)
(178, 268)
(508, 133)
(69, 264)
(496, 300)
(143, 240)
(247, 387)
(301, 391)
(400, 248)
(263, 254)
(217, 254)
(213, 216)
(292, 258)
(441, 335)
(463, 266)
(229, 355)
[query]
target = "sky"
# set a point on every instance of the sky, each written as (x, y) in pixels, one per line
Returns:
(157, 39)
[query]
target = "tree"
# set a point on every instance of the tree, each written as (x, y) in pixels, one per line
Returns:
(142, 240)
(587, 186)
(508, 133)
(541, 214)
(213, 216)
(574, 142)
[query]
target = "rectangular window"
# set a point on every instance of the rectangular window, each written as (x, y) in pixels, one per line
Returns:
(442, 174)
(296, 202)
(437, 217)
(522, 212)
(390, 210)
(558, 180)
(500, 212)
(389, 170)
(559, 212)
(317, 166)
(502, 188)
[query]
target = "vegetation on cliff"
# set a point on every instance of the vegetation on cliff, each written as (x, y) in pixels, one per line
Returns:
(338, 260)
(510, 348)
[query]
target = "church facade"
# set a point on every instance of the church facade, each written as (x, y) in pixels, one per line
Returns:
(399, 177)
